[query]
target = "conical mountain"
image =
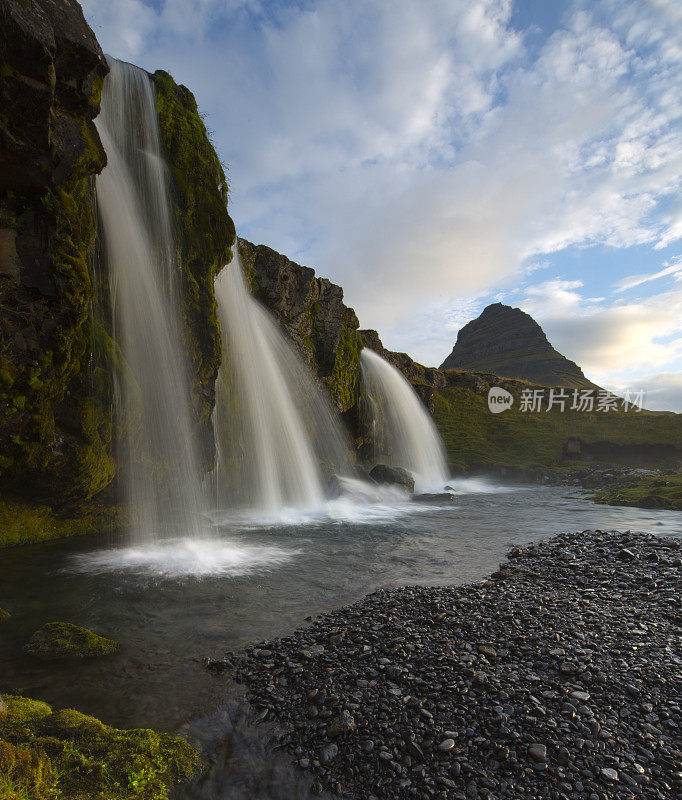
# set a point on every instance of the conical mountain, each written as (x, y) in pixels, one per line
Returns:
(510, 343)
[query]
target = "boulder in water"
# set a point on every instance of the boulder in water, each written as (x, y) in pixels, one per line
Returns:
(64, 640)
(433, 497)
(395, 476)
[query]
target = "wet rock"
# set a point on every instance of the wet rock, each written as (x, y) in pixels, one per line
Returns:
(487, 651)
(329, 753)
(344, 723)
(609, 775)
(538, 752)
(395, 476)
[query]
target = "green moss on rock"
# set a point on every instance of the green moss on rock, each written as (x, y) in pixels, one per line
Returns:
(204, 236)
(26, 523)
(56, 640)
(344, 378)
(66, 755)
(664, 492)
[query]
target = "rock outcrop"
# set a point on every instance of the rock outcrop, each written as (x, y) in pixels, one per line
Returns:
(313, 314)
(508, 342)
(55, 428)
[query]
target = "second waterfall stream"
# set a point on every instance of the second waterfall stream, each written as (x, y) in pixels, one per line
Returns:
(279, 442)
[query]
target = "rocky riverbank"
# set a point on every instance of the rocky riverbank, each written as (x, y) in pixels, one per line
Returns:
(559, 677)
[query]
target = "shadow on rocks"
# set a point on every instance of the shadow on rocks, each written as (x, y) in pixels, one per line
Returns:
(243, 759)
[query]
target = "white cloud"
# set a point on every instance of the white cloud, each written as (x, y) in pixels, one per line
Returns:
(612, 343)
(674, 269)
(662, 391)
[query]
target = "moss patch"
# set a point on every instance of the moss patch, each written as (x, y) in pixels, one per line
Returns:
(664, 492)
(65, 754)
(344, 379)
(53, 419)
(24, 523)
(204, 232)
(57, 640)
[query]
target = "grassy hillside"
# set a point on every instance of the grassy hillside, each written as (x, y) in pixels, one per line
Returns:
(476, 438)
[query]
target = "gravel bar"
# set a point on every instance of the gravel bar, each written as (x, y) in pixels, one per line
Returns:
(558, 677)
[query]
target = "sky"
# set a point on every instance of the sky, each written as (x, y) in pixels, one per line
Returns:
(434, 156)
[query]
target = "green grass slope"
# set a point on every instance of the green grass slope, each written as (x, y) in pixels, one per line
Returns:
(475, 438)
(664, 492)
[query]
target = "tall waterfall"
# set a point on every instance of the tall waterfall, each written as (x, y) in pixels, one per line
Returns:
(153, 387)
(279, 442)
(404, 433)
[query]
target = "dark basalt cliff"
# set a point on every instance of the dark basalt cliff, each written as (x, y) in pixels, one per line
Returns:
(313, 314)
(509, 342)
(57, 354)
(55, 431)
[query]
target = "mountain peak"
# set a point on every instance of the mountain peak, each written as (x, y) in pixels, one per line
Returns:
(510, 343)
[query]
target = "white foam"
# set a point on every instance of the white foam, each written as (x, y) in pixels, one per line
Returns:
(359, 503)
(184, 558)
(478, 486)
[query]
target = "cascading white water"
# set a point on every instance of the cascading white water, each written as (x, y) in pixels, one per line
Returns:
(278, 440)
(404, 433)
(153, 388)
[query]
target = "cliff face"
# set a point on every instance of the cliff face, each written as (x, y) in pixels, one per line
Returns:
(313, 313)
(509, 342)
(55, 432)
(204, 235)
(57, 357)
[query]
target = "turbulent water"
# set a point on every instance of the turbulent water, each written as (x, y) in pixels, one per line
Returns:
(279, 442)
(153, 388)
(403, 432)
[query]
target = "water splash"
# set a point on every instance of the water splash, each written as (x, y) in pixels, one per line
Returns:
(278, 440)
(181, 558)
(161, 473)
(404, 433)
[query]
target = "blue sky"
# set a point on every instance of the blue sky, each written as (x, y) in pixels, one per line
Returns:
(433, 156)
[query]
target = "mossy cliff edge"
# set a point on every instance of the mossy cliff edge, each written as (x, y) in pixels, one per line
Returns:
(55, 426)
(204, 235)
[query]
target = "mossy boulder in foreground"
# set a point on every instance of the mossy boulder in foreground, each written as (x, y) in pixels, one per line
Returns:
(55, 755)
(64, 640)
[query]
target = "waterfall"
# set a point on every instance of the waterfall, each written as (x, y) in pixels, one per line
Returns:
(278, 440)
(403, 431)
(153, 389)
